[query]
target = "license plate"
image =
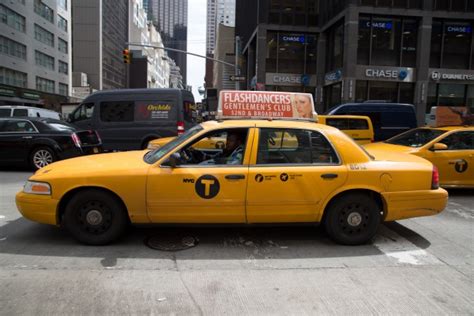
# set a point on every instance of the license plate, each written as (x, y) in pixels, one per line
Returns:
(95, 150)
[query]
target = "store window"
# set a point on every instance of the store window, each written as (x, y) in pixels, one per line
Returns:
(451, 94)
(335, 47)
(293, 12)
(387, 41)
(452, 5)
(363, 50)
(457, 45)
(436, 40)
(398, 92)
(291, 53)
(272, 52)
(451, 44)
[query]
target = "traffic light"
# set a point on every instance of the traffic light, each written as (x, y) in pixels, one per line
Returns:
(127, 57)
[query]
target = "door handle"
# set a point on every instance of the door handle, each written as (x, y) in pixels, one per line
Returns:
(235, 176)
(329, 176)
(27, 137)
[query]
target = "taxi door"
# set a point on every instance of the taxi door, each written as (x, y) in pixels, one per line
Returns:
(291, 173)
(197, 193)
(455, 164)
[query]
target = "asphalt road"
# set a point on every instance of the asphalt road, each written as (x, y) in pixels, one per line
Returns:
(415, 266)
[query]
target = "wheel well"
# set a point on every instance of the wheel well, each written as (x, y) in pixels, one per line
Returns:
(36, 146)
(373, 194)
(68, 196)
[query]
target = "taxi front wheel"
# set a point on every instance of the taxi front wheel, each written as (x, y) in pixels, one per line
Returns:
(95, 217)
(352, 219)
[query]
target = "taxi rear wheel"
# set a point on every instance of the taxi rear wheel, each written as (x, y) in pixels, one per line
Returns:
(95, 217)
(353, 219)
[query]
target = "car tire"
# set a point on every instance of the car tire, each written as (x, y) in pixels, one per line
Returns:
(352, 219)
(95, 217)
(41, 157)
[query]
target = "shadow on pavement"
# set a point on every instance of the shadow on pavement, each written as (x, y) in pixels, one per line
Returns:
(214, 242)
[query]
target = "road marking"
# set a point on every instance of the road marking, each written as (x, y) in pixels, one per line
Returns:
(405, 252)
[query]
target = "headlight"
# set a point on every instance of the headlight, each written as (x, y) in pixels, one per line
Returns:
(33, 187)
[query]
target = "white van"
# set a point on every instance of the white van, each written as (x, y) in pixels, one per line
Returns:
(28, 111)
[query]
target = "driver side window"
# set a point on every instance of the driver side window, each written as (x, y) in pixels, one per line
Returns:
(222, 147)
(84, 112)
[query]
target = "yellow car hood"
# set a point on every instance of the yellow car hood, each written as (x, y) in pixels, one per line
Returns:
(101, 164)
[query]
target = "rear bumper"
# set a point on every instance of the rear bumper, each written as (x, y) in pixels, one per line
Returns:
(76, 152)
(401, 205)
(38, 208)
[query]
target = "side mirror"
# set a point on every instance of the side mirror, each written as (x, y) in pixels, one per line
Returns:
(174, 160)
(439, 146)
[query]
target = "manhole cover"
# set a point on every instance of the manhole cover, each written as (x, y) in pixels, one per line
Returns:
(171, 242)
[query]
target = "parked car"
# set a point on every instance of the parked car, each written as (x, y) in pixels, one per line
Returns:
(388, 119)
(27, 111)
(128, 119)
(38, 142)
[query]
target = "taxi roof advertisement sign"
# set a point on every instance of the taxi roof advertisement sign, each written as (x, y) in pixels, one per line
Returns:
(266, 105)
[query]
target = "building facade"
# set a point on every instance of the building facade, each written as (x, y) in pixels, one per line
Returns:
(100, 31)
(35, 52)
(218, 12)
(171, 19)
(224, 51)
(410, 51)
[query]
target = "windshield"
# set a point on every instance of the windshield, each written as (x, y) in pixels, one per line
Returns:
(155, 155)
(415, 138)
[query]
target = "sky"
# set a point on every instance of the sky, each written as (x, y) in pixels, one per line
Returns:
(196, 44)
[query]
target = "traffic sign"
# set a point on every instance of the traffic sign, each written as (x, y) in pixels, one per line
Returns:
(236, 78)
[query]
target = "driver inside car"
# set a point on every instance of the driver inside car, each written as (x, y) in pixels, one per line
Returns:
(233, 152)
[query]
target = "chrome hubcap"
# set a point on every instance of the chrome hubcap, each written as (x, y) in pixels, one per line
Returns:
(354, 219)
(94, 217)
(42, 158)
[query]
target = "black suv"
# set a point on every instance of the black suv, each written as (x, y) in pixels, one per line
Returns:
(41, 141)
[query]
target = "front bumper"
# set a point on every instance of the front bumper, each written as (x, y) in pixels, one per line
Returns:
(401, 205)
(38, 208)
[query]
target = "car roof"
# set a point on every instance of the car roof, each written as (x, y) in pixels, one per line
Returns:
(136, 91)
(33, 118)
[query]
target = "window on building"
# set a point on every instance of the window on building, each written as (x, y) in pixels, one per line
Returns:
(401, 92)
(62, 23)
(44, 36)
(272, 52)
(451, 94)
(311, 53)
(386, 41)
(362, 87)
(12, 19)
(363, 47)
(335, 47)
(43, 10)
(63, 67)
(63, 89)
(62, 46)
(63, 4)
(457, 45)
(12, 77)
(381, 90)
(12, 48)
(436, 43)
(332, 95)
(44, 60)
(291, 53)
(409, 42)
(44, 85)
(407, 92)
(293, 12)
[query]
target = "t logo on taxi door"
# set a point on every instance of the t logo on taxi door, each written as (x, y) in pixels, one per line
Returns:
(207, 186)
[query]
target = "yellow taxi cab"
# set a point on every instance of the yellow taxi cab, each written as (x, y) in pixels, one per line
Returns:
(270, 171)
(357, 127)
(449, 148)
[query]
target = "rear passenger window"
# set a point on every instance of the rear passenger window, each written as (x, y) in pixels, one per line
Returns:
(18, 126)
(5, 112)
(20, 112)
(459, 141)
(116, 111)
(357, 124)
(294, 146)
